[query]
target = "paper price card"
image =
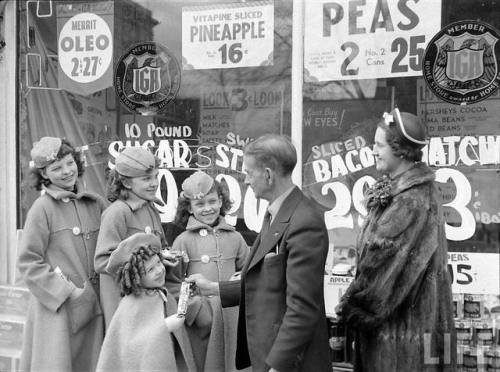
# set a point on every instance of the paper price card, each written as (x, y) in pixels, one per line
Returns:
(474, 272)
(85, 46)
(228, 36)
(353, 39)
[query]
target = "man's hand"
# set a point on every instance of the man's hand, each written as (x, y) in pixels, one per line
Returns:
(206, 287)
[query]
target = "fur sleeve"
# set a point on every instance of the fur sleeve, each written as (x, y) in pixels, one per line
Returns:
(393, 259)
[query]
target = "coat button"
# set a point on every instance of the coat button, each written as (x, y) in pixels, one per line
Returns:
(65, 200)
(203, 232)
(76, 230)
(205, 259)
(147, 230)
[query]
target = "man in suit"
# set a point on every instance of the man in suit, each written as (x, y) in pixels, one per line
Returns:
(282, 324)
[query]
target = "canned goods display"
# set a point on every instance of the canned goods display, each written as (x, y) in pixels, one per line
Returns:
(458, 305)
(493, 359)
(336, 334)
(473, 306)
(483, 331)
(463, 328)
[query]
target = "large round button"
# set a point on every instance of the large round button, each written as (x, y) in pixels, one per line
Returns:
(147, 230)
(205, 258)
(203, 232)
(76, 230)
(65, 200)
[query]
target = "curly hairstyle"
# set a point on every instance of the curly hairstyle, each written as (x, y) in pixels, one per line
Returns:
(115, 188)
(401, 147)
(36, 177)
(182, 214)
(131, 272)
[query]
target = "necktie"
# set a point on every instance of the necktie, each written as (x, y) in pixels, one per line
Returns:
(265, 223)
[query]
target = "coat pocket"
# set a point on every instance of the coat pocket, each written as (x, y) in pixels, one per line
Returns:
(84, 308)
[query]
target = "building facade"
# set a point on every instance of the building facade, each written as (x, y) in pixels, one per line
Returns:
(197, 80)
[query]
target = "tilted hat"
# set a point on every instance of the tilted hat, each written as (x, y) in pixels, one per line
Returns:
(45, 151)
(124, 251)
(135, 162)
(197, 185)
(408, 124)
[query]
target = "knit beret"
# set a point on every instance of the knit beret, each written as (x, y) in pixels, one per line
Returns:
(124, 251)
(135, 162)
(45, 151)
(197, 185)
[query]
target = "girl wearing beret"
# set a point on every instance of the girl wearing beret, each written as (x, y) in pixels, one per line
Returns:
(217, 251)
(64, 328)
(145, 334)
(400, 303)
(131, 188)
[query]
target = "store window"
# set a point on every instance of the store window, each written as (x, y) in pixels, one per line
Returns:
(362, 59)
(223, 77)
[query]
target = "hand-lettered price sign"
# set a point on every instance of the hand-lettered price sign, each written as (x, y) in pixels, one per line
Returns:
(85, 46)
(347, 39)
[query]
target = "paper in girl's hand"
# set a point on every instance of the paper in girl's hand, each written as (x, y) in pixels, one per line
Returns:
(174, 255)
(184, 295)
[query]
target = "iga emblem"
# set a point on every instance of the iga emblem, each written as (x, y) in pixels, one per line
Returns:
(461, 62)
(147, 78)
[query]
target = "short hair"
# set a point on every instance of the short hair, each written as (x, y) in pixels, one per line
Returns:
(183, 203)
(273, 151)
(131, 272)
(400, 145)
(37, 180)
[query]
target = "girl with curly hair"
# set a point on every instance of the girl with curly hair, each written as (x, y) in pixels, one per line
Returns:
(145, 333)
(132, 186)
(216, 250)
(64, 317)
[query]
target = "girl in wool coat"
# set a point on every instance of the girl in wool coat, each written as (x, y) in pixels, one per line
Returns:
(217, 251)
(132, 187)
(64, 327)
(146, 333)
(400, 303)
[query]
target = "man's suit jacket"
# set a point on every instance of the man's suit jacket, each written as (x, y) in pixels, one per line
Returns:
(282, 320)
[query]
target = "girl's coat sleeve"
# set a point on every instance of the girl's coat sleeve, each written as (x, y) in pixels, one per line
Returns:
(49, 288)
(392, 263)
(241, 253)
(113, 230)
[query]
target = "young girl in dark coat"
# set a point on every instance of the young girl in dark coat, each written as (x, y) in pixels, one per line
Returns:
(64, 327)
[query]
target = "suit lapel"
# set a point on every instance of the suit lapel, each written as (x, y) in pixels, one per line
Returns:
(264, 244)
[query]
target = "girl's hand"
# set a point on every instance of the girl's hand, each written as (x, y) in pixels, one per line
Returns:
(168, 259)
(174, 322)
(76, 293)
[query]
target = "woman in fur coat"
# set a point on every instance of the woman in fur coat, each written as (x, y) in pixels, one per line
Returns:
(400, 303)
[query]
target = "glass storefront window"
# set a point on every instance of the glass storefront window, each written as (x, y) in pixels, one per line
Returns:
(344, 97)
(225, 67)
